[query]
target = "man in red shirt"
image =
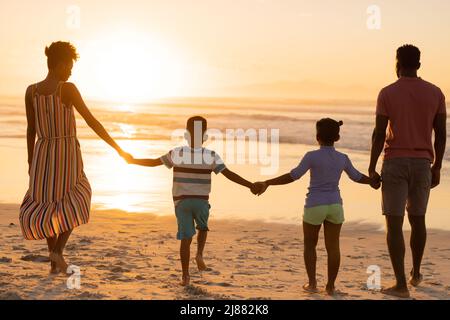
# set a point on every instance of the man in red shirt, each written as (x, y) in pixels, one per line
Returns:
(410, 109)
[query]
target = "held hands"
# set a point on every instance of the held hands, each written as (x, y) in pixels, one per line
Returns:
(375, 180)
(126, 156)
(258, 188)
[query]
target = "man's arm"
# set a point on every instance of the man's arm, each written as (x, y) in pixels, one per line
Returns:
(146, 162)
(378, 140)
(440, 140)
(236, 178)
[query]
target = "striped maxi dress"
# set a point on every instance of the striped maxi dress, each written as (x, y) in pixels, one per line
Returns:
(59, 194)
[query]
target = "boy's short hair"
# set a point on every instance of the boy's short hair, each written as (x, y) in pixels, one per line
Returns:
(60, 52)
(190, 125)
(328, 130)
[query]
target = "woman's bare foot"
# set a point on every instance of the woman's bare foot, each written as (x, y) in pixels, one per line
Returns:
(53, 268)
(59, 261)
(200, 263)
(396, 292)
(185, 280)
(310, 288)
(415, 280)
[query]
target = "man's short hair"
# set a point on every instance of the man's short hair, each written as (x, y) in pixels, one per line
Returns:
(408, 56)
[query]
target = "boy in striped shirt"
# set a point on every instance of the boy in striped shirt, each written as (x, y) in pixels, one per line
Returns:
(192, 166)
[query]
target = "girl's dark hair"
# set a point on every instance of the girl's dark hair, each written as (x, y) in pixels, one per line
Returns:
(328, 130)
(60, 52)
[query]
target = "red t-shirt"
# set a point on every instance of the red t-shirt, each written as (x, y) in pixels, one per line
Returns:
(411, 105)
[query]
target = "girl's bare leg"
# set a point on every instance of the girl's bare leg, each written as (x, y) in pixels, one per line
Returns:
(311, 237)
(332, 232)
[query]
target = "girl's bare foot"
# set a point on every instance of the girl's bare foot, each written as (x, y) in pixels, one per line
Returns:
(310, 288)
(396, 292)
(185, 280)
(59, 261)
(200, 263)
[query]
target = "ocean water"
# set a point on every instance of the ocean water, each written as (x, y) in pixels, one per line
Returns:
(147, 131)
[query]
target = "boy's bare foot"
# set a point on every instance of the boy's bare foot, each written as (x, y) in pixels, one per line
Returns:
(200, 263)
(185, 280)
(396, 292)
(415, 280)
(310, 288)
(59, 261)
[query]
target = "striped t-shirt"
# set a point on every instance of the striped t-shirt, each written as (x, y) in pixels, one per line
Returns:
(192, 169)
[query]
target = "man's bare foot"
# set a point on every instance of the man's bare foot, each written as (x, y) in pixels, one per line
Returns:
(59, 261)
(200, 263)
(185, 280)
(310, 288)
(332, 291)
(396, 292)
(415, 280)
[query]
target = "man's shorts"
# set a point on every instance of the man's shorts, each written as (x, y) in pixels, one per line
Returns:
(406, 183)
(189, 211)
(333, 213)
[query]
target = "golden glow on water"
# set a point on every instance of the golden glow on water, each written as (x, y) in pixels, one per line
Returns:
(123, 186)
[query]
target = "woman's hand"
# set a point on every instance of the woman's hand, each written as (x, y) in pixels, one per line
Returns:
(128, 157)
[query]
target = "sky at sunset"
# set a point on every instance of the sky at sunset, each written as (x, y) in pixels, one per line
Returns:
(139, 50)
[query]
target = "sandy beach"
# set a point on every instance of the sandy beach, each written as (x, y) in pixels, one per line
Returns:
(135, 256)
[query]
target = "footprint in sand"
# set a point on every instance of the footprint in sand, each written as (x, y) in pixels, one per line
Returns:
(9, 295)
(35, 258)
(89, 295)
(5, 260)
(119, 269)
(18, 248)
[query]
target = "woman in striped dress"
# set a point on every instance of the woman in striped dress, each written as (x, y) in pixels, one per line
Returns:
(59, 195)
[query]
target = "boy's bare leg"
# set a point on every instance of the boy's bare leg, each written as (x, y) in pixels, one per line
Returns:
(311, 237)
(332, 232)
(51, 243)
(201, 241)
(185, 253)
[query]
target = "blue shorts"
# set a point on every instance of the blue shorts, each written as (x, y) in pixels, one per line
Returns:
(189, 211)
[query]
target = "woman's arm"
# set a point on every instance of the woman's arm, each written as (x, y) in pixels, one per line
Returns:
(31, 126)
(91, 121)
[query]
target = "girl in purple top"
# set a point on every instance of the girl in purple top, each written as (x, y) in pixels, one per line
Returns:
(323, 203)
